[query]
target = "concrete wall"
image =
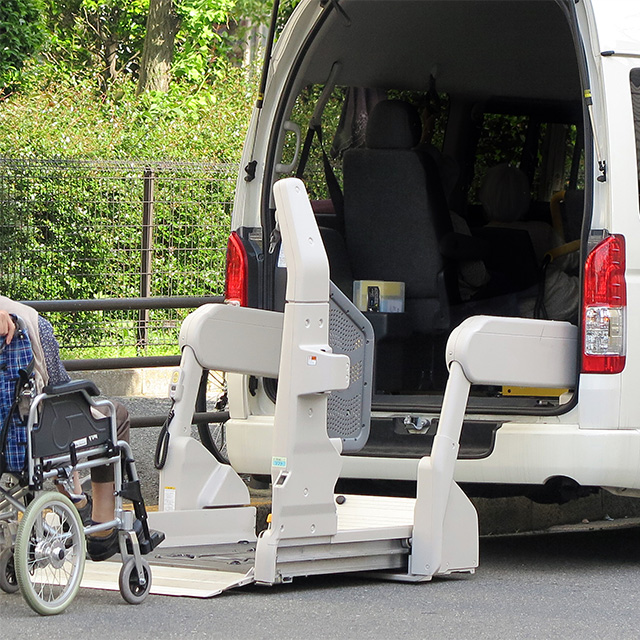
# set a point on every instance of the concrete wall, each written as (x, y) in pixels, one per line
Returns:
(140, 383)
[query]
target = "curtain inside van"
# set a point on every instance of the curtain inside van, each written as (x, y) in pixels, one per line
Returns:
(635, 99)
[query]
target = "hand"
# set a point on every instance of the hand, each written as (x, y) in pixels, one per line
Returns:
(7, 326)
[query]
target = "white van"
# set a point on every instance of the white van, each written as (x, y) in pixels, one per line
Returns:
(451, 149)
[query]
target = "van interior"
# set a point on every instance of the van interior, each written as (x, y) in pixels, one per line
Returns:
(443, 147)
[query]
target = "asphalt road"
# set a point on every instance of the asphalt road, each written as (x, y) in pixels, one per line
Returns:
(568, 585)
(562, 585)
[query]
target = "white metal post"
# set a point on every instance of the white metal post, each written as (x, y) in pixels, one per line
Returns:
(305, 463)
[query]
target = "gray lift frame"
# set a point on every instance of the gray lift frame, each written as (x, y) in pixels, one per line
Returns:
(205, 503)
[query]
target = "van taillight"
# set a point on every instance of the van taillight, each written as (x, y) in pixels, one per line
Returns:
(237, 272)
(604, 308)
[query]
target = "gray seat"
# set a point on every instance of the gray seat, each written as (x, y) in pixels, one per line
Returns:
(395, 213)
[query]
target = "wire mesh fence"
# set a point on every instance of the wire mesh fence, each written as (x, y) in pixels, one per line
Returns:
(94, 229)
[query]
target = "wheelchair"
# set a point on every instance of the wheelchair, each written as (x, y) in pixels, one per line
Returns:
(67, 429)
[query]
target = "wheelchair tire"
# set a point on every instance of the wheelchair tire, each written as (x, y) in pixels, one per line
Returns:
(50, 553)
(8, 580)
(130, 589)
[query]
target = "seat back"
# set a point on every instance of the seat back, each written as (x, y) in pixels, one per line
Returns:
(66, 421)
(395, 212)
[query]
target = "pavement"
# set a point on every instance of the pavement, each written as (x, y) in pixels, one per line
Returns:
(561, 586)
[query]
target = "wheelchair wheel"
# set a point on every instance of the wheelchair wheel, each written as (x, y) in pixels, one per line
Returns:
(8, 580)
(50, 553)
(130, 588)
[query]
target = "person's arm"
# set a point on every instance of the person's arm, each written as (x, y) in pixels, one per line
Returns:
(7, 326)
(57, 373)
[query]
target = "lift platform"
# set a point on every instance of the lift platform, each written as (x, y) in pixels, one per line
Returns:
(321, 351)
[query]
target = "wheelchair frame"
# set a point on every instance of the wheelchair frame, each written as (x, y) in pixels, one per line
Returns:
(42, 535)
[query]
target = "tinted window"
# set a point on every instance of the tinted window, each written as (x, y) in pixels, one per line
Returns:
(635, 98)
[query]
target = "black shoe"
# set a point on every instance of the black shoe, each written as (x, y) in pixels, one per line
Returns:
(101, 548)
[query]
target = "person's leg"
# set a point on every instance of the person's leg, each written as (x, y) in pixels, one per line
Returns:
(102, 484)
(76, 494)
(103, 544)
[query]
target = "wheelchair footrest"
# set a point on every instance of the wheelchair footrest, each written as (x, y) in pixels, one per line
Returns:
(148, 545)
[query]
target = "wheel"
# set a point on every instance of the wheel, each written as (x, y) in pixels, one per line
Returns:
(132, 591)
(8, 580)
(50, 553)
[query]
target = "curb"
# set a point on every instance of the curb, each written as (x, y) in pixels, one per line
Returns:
(137, 383)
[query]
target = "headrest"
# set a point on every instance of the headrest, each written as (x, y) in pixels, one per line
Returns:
(393, 124)
(505, 194)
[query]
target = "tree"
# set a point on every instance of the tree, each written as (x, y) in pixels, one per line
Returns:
(21, 35)
(155, 66)
(89, 37)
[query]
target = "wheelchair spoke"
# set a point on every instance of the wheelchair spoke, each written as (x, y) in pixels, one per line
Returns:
(50, 553)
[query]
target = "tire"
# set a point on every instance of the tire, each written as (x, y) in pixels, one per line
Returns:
(50, 553)
(130, 589)
(8, 580)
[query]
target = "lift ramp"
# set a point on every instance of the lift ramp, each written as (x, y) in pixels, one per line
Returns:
(204, 571)
(205, 508)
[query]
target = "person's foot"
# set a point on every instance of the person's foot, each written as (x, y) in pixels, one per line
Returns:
(102, 545)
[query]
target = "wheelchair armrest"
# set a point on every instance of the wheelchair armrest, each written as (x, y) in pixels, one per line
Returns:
(71, 387)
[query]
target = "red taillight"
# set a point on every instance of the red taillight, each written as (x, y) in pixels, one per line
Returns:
(236, 282)
(604, 308)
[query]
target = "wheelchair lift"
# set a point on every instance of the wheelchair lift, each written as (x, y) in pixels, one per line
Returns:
(205, 507)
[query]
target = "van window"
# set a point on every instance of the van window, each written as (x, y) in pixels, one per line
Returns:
(314, 174)
(635, 99)
(344, 121)
(550, 154)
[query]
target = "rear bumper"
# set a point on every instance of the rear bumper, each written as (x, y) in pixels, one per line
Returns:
(523, 454)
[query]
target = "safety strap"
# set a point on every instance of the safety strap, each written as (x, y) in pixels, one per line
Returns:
(335, 192)
(315, 128)
(162, 445)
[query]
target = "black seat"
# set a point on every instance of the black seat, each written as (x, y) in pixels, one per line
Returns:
(395, 213)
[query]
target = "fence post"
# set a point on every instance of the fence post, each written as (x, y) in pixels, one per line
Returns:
(146, 251)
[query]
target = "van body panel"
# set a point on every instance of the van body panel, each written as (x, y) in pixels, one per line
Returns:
(623, 218)
(617, 24)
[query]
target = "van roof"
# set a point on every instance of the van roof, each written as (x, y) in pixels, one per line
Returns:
(488, 48)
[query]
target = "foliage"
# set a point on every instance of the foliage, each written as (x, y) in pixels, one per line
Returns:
(65, 238)
(198, 37)
(57, 119)
(21, 35)
(102, 38)
(73, 230)
(69, 236)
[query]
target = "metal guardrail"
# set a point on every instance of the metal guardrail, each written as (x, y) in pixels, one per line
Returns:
(198, 418)
(87, 364)
(125, 304)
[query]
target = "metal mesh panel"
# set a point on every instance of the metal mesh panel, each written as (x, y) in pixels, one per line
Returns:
(349, 411)
(95, 229)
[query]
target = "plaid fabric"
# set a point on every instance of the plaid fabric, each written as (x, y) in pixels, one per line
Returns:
(13, 358)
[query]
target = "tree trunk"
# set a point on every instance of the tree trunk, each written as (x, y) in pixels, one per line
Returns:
(155, 67)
